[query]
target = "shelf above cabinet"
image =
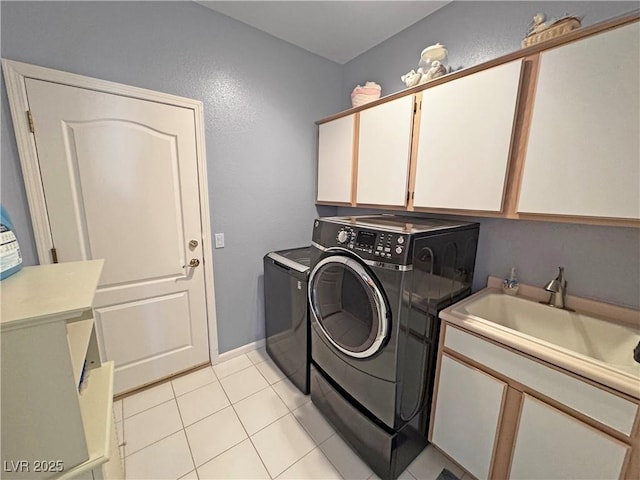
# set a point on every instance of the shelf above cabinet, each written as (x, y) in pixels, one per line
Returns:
(46, 293)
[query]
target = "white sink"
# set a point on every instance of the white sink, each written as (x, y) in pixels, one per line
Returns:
(605, 342)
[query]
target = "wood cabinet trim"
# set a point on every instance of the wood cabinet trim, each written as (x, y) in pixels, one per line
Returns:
(354, 164)
(520, 133)
(415, 139)
(605, 221)
(572, 36)
(436, 381)
(633, 464)
(333, 204)
(508, 427)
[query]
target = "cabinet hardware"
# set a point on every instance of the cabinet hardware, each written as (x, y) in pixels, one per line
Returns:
(54, 255)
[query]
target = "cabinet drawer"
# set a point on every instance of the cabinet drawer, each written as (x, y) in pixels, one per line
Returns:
(602, 406)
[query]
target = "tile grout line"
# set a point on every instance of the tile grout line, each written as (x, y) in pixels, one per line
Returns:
(158, 440)
(253, 444)
(329, 458)
(290, 411)
(243, 427)
(149, 408)
(232, 446)
(196, 388)
(184, 431)
(250, 437)
(233, 373)
(269, 424)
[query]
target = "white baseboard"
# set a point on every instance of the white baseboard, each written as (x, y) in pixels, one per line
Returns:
(236, 352)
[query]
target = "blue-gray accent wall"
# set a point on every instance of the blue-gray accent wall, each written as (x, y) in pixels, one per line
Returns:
(261, 98)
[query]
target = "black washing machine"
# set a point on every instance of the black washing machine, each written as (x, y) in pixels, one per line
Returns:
(376, 286)
(286, 313)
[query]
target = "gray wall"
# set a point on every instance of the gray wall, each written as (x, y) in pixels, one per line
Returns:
(601, 262)
(261, 98)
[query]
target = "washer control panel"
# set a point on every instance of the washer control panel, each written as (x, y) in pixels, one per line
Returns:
(345, 236)
(389, 245)
(375, 245)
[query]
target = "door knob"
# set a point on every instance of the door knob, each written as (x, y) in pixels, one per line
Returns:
(194, 262)
(193, 243)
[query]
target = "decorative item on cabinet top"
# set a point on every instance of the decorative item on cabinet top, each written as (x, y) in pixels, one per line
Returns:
(361, 95)
(541, 29)
(432, 64)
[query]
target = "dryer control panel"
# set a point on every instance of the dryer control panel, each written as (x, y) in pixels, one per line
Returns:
(368, 243)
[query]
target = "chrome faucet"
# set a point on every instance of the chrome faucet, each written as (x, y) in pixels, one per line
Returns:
(558, 289)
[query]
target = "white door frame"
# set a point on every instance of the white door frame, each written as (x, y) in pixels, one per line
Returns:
(14, 75)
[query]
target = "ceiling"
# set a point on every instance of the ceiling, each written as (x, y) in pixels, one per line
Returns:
(336, 30)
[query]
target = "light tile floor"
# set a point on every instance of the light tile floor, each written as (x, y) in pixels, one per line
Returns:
(241, 420)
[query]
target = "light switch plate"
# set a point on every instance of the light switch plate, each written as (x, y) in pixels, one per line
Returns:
(219, 240)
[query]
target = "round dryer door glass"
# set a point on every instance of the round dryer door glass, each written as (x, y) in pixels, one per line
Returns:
(348, 306)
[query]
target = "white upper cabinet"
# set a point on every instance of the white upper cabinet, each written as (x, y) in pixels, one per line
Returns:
(335, 160)
(466, 128)
(384, 149)
(583, 155)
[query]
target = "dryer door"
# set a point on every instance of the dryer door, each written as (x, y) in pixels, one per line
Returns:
(348, 306)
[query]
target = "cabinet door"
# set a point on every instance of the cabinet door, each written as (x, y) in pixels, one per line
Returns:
(583, 154)
(335, 160)
(465, 138)
(467, 413)
(384, 148)
(552, 444)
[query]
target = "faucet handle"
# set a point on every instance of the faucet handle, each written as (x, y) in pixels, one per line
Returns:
(561, 279)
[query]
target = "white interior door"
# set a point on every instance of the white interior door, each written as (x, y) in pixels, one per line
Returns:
(120, 178)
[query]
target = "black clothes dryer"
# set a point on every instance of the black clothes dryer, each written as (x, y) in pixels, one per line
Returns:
(286, 313)
(376, 287)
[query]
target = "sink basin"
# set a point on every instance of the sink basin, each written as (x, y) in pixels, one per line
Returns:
(606, 342)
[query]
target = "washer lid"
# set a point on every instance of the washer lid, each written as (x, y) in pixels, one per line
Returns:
(299, 259)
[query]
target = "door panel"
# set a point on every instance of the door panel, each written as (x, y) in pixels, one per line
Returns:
(465, 136)
(121, 183)
(118, 160)
(335, 160)
(158, 336)
(552, 444)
